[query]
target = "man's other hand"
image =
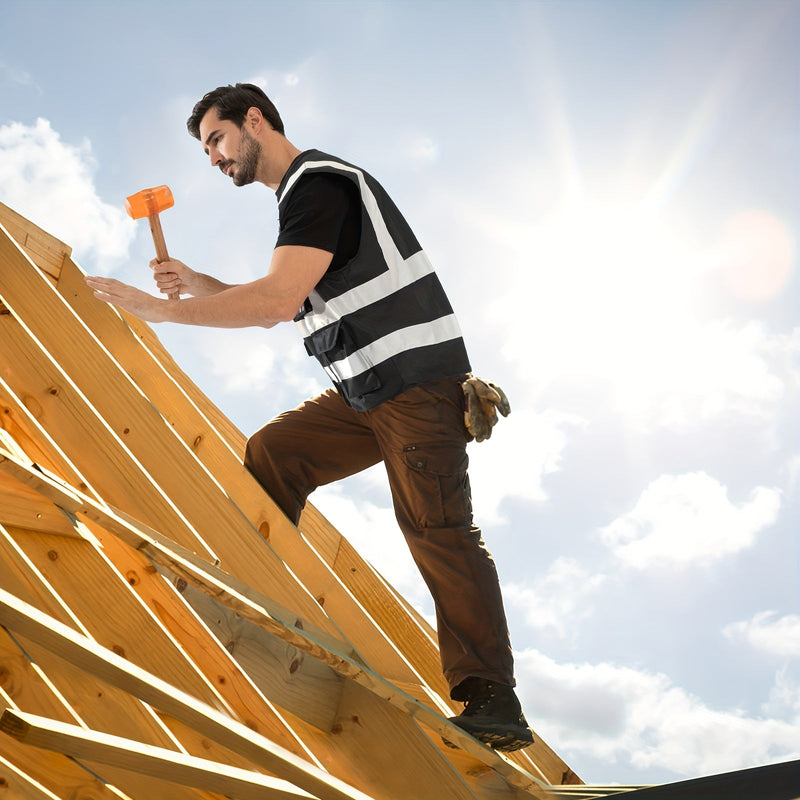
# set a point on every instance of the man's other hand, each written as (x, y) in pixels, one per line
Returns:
(119, 294)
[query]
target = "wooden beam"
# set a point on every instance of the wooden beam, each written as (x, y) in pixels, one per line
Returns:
(305, 686)
(54, 775)
(596, 792)
(155, 762)
(14, 782)
(114, 669)
(43, 249)
(22, 507)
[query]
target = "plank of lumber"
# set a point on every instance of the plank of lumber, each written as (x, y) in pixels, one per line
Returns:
(20, 430)
(590, 792)
(15, 783)
(24, 686)
(20, 577)
(156, 762)
(306, 687)
(22, 507)
(58, 776)
(43, 248)
(89, 656)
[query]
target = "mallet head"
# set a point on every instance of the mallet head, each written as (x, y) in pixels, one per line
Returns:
(149, 202)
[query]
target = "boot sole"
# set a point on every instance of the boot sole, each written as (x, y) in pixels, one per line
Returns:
(505, 740)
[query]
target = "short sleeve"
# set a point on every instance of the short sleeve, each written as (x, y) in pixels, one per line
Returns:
(317, 212)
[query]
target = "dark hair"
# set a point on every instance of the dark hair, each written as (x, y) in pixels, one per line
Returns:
(233, 102)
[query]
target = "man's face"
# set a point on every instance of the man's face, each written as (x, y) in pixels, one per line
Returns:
(230, 148)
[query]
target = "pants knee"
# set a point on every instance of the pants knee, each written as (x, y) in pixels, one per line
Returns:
(270, 463)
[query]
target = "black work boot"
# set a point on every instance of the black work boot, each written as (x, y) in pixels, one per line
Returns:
(492, 714)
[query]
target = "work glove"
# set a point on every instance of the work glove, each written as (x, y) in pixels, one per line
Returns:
(483, 400)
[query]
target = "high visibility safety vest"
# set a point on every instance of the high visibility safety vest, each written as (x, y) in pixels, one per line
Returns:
(382, 323)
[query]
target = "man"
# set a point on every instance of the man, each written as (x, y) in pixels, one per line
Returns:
(349, 271)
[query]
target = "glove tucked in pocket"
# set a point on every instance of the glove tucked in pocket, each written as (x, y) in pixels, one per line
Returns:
(483, 400)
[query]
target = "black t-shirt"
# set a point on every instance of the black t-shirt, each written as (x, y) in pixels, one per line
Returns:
(323, 210)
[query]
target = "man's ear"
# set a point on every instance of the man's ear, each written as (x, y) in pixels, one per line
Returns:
(254, 119)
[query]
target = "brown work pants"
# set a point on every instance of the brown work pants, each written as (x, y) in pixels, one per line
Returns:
(421, 438)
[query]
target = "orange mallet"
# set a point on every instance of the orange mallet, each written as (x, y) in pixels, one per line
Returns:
(150, 203)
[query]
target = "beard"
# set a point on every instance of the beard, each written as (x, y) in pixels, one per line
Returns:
(247, 163)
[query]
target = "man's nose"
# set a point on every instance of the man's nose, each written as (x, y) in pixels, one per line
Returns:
(215, 156)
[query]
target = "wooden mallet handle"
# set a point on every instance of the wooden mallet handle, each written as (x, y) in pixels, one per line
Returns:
(149, 203)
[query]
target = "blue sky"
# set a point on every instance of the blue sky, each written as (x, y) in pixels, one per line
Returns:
(609, 191)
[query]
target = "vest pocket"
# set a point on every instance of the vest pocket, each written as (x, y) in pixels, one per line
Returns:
(323, 340)
(353, 375)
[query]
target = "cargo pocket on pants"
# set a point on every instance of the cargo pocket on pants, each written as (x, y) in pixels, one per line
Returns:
(439, 491)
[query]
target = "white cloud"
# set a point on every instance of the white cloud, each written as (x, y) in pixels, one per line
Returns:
(252, 361)
(689, 519)
(763, 632)
(51, 183)
(558, 600)
(18, 76)
(419, 150)
(784, 697)
(618, 714)
(708, 369)
(296, 94)
(524, 448)
(244, 362)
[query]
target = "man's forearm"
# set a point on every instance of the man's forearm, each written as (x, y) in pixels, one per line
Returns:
(206, 285)
(277, 297)
(236, 306)
(239, 306)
